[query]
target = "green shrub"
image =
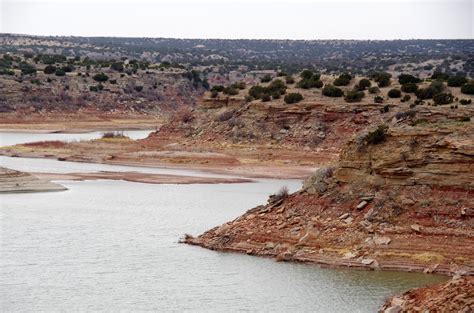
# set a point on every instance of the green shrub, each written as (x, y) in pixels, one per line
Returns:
(231, 91)
(256, 91)
(67, 68)
(309, 83)
(293, 97)
(138, 88)
(332, 91)
(374, 89)
(407, 78)
(214, 93)
(465, 101)
(289, 79)
(281, 74)
(443, 98)
(60, 72)
(27, 69)
(49, 69)
(354, 96)
(100, 77)
(117, 66)
(378, 99)
(6, 71)
(306, 74)
(383, 82)
(275, 89)
(377, 136)
(406, 98)
(265, 79)
(217, 88)
(276, 86)
(456, 81)
(385, 109)
(468, 88)
(343, 80)
(265, 97)
(439, 75)
(381, 78)
(394, 93)
(409, 87)
(429, 92)
(238, 85)
(363, 84)
(93, 88)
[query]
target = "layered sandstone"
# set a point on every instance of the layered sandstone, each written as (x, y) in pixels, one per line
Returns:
(405, 203)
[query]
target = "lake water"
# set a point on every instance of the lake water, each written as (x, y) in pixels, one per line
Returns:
(113, 246)
(13, 138)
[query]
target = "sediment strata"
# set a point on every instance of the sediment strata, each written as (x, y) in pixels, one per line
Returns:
(456, 295)
(12, 181)
(402, 204)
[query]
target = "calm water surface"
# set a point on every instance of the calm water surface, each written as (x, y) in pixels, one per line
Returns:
(14, 138)
(112, 246)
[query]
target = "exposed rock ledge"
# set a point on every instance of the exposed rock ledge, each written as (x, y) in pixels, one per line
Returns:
(403, 204)
(12, 181)
(457, 295)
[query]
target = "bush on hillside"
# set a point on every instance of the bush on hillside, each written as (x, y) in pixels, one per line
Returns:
(456, 81)
(409, 87)
(217, 88)
(394, 93)
(377, 136)
(306, 74)
(374, 90)
(27, 69)
(363, 84)
(354, 96)
(117, 66)
(266, 79)
(332, 91)
(289, 79)
(293, 97)
(443, 98)
(381, 78)
(60, 72)
(378, 99)
(439, 75)
(407, 78)
(49, 69)
(468, 88)
(343, 80)
(100, 77)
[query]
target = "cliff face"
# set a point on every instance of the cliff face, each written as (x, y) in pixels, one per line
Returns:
(404, 203)
(440, 155)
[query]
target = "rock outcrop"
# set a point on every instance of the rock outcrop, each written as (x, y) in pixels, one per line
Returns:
(12, 181)
(403, 203)
(457, 295)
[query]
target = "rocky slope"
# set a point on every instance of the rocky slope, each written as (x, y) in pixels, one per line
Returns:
(399, 201)
(12, 181)
(457, 295)
(41, 85)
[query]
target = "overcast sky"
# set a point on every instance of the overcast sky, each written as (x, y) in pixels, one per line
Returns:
(281, 19)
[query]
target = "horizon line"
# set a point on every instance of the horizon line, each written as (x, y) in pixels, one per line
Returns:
(215, 38)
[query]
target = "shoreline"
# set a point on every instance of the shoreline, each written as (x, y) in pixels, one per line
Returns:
(248, 171)
(140, 178)
(324, 261)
